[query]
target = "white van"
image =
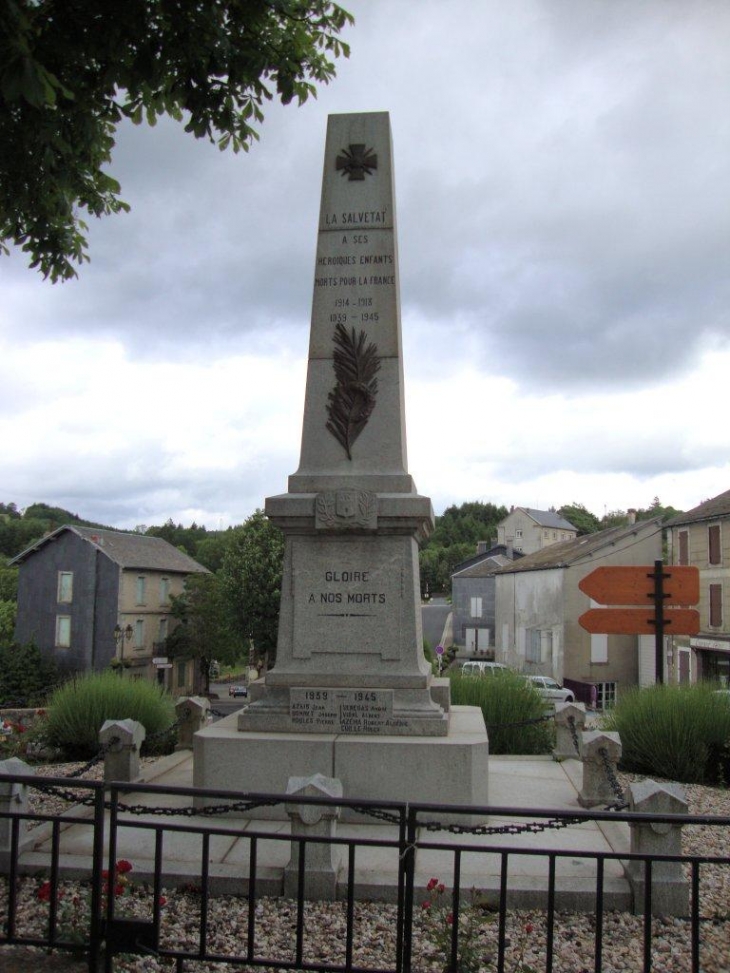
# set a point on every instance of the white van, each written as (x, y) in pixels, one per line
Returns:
(477, 667)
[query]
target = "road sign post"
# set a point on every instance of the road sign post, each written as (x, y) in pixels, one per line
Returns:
(628, 585)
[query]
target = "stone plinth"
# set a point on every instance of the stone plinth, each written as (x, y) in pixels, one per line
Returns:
(669, 886)
(322, 861)
(447, 770)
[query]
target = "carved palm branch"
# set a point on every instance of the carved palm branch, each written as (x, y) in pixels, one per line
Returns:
(352, 400)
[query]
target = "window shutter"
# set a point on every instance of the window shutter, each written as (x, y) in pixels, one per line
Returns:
(683, 547)
(713, 544)
(715, 605)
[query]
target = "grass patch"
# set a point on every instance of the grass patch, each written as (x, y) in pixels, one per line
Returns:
(678, 732)
(506, 699)
(77, 710)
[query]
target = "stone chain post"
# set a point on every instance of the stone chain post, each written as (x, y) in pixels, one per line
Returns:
(121, 740)
(322, 861)
(598, 750)
(669, 885)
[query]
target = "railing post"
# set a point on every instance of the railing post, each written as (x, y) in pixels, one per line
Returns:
(601, 753)
(570, 718)
(669, 886)
(121, 740)
(192, 714)
(13, 800)
(408, 859)
(312, 821)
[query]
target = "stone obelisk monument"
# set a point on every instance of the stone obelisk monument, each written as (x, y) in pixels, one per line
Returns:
(351, 695)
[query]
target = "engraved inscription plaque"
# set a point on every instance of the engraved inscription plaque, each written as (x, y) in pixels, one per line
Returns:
(343, 710)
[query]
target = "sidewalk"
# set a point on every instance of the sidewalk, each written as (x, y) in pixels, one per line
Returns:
(517, 782)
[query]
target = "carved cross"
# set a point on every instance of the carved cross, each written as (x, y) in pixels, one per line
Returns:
(356, 161)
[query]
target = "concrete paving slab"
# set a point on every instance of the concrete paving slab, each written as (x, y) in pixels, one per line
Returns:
(514, 782)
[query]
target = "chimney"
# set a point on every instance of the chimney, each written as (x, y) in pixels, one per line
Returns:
(632, 515)
(482, 547)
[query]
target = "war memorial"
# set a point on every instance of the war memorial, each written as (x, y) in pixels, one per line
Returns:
(351, 695)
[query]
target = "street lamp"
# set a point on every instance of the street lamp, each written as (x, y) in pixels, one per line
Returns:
(120, 636)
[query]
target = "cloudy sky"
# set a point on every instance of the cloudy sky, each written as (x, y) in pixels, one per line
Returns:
(563, 196)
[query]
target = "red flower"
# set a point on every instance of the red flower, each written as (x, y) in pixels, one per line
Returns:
(124, 866)
(529, 928)
(162, 901)
(450, 919)
(44, 892)
(105, 873)
(432, 884)
(441, 888)
(119, 889)
(425, 905)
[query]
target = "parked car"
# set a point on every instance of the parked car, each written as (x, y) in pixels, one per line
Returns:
(479, 667)
(238, 690)
(550, 689)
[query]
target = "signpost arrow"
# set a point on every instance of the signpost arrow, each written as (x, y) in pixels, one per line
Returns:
(634, 585)
(639, 621)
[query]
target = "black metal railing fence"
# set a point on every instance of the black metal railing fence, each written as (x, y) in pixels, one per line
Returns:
(522, 914)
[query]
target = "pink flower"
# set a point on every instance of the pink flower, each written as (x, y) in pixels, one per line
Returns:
(162, 901)
(425, 905)
(432, 884)
(450, 919)
(441, 888)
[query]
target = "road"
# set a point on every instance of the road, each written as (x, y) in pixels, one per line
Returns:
(434, 617)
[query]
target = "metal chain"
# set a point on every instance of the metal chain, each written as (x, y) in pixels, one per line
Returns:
(531, 827)
(103, 750)
(621, 801)
(574, 733)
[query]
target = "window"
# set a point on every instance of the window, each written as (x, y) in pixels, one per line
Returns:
(162, 635)
(65, 587)
(181, 672)
(715, 605)
(518, 534)
(141, 590)
(63, 631)
(164, 590)
(599, 649)
(532, 648)
(683, 547)
(139, 634)
(475, 607)
(605, 695)
(714, 554)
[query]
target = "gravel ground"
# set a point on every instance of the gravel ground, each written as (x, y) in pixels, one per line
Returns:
(375, 927)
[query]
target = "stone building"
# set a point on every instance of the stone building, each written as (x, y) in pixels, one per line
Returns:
(87, 596)
(528, 530)
(701, 537)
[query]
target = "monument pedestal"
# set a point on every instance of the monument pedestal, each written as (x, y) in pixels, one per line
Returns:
(452, 769)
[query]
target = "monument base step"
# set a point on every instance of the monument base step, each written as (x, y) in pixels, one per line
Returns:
(452, 769)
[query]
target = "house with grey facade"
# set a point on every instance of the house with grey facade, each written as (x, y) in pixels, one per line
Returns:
(473, 600)
(538, 605)
(528, 530)
(91, 597)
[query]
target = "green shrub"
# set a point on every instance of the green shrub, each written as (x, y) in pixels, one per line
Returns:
(678, 732)
(506, 699)
(77, 710)
(26, 675)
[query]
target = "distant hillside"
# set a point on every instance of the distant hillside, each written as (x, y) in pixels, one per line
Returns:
(20, 529)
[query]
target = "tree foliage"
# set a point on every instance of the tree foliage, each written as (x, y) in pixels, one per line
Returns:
(576, 514)
(204, 632)
(70, 73)
(455, 537)
(251, 577)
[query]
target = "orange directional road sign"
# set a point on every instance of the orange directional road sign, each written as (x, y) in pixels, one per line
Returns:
(634, 585)
(639, 621)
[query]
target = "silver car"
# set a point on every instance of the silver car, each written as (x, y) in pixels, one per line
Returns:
(550, 689)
